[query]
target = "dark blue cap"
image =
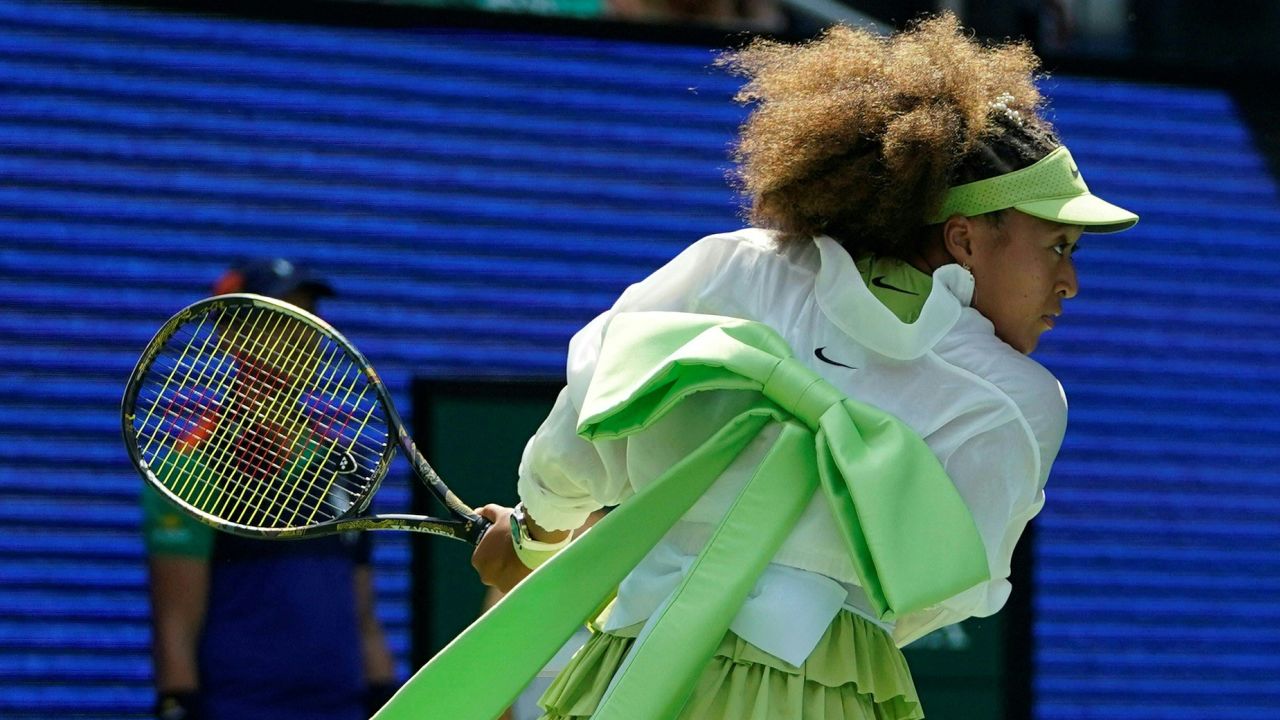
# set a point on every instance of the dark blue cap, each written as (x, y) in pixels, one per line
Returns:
(275, 277)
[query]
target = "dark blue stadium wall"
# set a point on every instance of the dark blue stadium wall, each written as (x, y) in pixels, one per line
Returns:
(476, 196)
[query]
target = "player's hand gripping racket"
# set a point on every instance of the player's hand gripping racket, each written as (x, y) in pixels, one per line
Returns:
(260, 419)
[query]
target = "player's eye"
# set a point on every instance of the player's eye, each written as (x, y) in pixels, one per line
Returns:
(1067, 248)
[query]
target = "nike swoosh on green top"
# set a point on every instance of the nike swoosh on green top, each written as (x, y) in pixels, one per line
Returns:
(879, 282)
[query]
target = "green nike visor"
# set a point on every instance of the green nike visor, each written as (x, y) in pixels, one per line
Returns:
(1051, 189)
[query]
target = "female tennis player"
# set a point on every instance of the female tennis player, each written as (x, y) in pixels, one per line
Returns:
(915, 219)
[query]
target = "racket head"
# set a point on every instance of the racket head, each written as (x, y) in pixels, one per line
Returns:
(258, 418)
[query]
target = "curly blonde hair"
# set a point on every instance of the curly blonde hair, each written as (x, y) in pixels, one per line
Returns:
(858, 136)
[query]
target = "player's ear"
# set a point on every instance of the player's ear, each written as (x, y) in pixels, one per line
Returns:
(958, 237)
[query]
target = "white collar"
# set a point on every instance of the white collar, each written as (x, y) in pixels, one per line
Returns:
(844, 297)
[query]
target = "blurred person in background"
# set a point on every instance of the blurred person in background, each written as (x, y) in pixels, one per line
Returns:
(757, 15)
(245, 629)
(750, 15)
(1049, 25)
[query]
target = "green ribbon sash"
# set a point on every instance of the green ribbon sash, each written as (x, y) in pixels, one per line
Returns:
(911, 539)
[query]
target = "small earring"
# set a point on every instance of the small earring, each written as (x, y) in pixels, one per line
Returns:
(966, 267)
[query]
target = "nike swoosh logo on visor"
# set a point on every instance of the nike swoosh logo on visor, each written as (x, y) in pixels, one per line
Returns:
(822, 356)
(879, 282)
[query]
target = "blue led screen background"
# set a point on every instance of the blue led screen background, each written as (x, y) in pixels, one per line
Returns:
(477, 195)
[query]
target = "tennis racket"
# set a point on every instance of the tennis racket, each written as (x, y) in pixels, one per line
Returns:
(260, 419)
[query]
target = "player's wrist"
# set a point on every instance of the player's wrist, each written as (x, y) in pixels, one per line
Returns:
(530, 551)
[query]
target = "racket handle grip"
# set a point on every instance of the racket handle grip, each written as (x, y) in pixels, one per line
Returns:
(477, 530)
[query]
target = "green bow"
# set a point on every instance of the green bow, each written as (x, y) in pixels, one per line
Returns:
(912, 540)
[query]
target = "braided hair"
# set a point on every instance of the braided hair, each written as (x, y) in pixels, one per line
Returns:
(858, 136)
(1017, 145)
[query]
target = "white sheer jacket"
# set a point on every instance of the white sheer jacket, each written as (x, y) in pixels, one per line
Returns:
(994, 417)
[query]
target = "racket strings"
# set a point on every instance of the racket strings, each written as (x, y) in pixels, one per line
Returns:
(338, 391)
(274, 407)
(251, 439)
(241, 456)
(369, 450)
(198, 482)
(266, 452)
(264, 388)
(324, 462)
(258, 453)
(262, 448)
(181, 395)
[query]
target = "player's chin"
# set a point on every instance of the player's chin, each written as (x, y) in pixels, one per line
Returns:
(1027, 342)
(1022, 335)
(1032, 340)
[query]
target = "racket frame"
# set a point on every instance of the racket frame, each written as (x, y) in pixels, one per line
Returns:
(468, 527)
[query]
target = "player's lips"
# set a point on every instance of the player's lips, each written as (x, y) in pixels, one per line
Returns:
(1049, 319)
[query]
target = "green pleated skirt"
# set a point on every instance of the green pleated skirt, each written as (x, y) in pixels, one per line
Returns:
(854, 673)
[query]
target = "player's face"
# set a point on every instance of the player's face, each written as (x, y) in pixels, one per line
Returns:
(1023, 273)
